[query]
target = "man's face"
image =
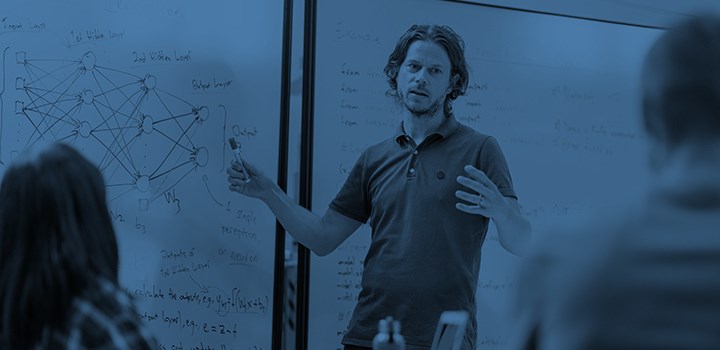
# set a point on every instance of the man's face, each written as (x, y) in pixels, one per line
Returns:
(423, 80)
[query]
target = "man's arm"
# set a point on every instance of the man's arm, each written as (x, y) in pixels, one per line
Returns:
(513, 229)
(321, 234)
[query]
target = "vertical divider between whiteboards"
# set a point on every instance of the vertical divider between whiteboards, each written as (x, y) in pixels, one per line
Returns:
(306, 166)
(282, 176)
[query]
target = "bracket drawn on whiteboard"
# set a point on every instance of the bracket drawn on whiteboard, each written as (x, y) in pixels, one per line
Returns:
(207, 187)
(2, 100)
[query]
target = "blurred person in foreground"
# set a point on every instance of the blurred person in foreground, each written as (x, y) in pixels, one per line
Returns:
(646, 277)
(59, 258)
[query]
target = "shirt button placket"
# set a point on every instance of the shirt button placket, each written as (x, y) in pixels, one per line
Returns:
(411, 171)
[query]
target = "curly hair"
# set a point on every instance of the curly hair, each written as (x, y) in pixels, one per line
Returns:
(443, 36)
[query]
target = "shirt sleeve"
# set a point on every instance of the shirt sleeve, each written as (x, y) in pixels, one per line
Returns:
(491, 161)
(110, 321)
(353, 200)
(128, 325)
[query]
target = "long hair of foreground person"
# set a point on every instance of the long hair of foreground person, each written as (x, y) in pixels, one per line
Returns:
(56, 238)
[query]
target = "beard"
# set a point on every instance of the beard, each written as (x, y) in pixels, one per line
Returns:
(421, 111)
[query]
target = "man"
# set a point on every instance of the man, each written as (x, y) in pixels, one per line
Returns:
(647, 276)
(424, 257)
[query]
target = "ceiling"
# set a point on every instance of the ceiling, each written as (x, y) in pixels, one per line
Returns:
(654, 13)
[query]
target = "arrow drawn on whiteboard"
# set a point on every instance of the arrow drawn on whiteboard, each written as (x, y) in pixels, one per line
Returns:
(205, 180)
(224, 144)
(203, 288)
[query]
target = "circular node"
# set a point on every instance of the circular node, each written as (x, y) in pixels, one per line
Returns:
(203, 113)
(201, 156)
(142, 183)
(236, 129)
(150, 82)
(88, 60)
(88, 97)
(147, 124)
(84, 129)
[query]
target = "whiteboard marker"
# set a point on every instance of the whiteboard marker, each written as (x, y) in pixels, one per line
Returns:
(238, 158)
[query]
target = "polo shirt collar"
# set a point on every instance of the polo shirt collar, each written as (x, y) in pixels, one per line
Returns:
(445, 130)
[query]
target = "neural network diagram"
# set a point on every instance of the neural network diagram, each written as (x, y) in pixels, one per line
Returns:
(139, 135)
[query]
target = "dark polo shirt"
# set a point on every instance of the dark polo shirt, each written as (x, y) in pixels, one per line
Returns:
(424, 256)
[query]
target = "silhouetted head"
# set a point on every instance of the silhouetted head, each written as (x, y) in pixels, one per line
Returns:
(452, 44)
(681, 84)
(56, 238)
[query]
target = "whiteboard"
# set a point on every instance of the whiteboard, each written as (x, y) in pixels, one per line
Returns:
(150, 90)
(559, 94)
